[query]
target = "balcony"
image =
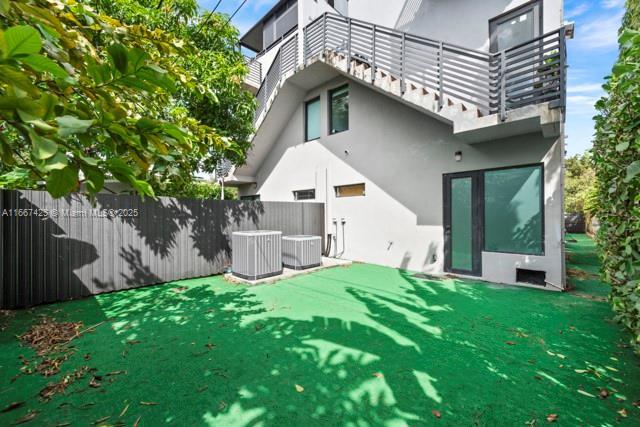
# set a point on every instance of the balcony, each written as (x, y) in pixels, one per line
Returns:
(483, 95)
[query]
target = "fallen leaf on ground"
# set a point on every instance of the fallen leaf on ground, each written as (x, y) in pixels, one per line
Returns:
(124, 411)
(436, 413)
(222, 406)
(582, 371)
(26, 418)
(511, 343)
(623, 412)
(95, 383)
(48, 334)
(133, 342)
(148, 403)
(585, 393)
(552, 418)
(604, 393)
(101, 420)
(636, 403)
(137, 423)
(180, 289)
(299, 388)
(12, 406)
(378, 375)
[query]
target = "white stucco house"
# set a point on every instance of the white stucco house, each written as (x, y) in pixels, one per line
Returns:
(432, 130)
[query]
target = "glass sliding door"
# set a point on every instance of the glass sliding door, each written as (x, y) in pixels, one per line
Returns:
(462, 221)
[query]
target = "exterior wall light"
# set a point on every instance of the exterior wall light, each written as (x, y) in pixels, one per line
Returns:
(458, 156)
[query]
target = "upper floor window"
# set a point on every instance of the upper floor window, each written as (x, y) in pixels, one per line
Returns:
(281, 22)
(339, 109)
(304, 194)
(341, 6)
(312, 119)
(515, 27)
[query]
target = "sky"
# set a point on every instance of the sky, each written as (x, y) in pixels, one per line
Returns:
(592, 54)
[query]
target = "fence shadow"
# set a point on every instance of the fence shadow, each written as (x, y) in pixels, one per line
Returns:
(124, 242)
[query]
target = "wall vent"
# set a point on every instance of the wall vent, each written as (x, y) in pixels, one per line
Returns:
(531, 277)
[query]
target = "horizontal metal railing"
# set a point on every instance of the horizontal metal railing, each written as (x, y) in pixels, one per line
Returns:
(254, 77)
(530, 73)
(285, 61)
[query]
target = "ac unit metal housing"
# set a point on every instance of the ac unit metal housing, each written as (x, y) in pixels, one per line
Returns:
(301, 252)
(256, 254)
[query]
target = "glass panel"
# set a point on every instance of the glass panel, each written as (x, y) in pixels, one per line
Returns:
(461, 224)
(340, 109)
(516, 30)
(350, 190)
(513, 210)
(312, 115)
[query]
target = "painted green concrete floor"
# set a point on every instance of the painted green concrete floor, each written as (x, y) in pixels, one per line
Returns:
(363, 345)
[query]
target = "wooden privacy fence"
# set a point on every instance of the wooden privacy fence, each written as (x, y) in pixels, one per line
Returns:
(59, 249)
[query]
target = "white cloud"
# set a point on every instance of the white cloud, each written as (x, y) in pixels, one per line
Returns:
(611, 4)
(600, 33)
(584, 88)
(577, 11)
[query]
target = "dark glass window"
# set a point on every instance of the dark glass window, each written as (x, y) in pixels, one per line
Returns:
(339, 109)
(513, 210)
(250, 198)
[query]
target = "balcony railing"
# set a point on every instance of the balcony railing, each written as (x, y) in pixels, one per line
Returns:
(530, 73)
(254, 78)
(285, 61)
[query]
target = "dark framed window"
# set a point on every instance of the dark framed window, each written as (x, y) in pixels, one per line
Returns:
(312, 119)
(516, 26)
(514, 210)
(341, 6)
(352, 190)
(255, 197)
(339, 109)
(304, 194)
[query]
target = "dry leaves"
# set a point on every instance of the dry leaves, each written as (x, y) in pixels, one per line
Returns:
(604, 393)
(436, 413)
(52, 389)
(12, 406)
(48, 334)
(623, 412)
(378, 375)
(510, 343)
(299, 388)
(552, 418)
(30, 415)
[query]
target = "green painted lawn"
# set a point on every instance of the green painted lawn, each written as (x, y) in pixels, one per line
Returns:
(368, 345)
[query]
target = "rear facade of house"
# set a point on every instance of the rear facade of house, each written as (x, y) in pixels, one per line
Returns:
(432, 130)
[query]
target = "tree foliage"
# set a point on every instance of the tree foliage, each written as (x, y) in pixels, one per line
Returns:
(199, 190)
(84, 96)
(580, 189)
(616, 160)
(215, 62)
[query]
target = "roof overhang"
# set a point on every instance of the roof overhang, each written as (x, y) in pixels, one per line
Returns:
(252, 39)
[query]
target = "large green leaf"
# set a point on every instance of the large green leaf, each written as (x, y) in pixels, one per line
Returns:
(118, 54)
(62, 181)
(632, 170)
(69, 125)
(44, 148)
(22, 40)
(17, 79)
(43, 64)
(57, 162)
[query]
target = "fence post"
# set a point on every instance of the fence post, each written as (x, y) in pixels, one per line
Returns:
(348, 45)
(440, 73)
(503, 87)
(373, 54)
(402, 65)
